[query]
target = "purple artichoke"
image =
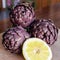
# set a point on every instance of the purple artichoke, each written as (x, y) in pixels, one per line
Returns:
(13, 39)
(22, 14)
(45, 30)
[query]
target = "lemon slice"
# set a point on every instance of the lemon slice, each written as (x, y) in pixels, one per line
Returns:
(36, 49)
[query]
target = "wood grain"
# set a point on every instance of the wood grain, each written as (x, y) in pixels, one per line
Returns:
(0, 4)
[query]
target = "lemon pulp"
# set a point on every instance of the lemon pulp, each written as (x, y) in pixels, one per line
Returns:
(36, 49)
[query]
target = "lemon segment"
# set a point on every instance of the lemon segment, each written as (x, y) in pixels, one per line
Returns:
(36, 49)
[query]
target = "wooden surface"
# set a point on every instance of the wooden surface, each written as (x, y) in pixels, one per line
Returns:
(0, 4)
(5, 24)
(45, 3)
(6, 55)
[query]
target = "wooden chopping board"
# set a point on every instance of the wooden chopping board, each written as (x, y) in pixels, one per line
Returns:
(6, 55)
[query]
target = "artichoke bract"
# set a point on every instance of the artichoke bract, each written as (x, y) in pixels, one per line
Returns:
(13, 39)
(44, 29)
(22, 14)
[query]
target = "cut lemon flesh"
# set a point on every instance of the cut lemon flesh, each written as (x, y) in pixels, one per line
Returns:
(36, 49)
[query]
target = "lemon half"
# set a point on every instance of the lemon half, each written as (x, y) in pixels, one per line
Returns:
(36, 49)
